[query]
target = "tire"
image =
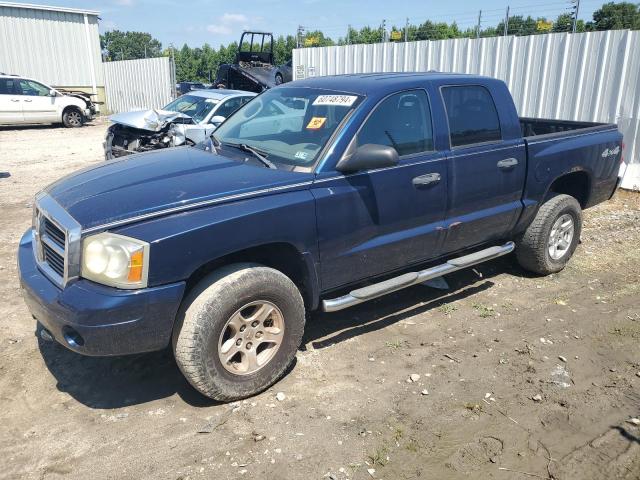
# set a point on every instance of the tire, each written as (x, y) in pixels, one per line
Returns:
(72, 118)
(202, 332)
(279, 79)
(533, 250)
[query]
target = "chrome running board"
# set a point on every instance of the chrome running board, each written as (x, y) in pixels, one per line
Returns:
(376, 290)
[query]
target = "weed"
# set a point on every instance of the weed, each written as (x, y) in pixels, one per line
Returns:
(483, 310)
(447, 309)
(394, 345)
(379, 457)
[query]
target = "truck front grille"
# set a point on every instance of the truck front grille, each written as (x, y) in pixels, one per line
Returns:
(53, 259)
(54, 233)
(56, 240)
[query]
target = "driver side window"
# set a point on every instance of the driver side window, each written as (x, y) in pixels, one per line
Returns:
(33, 89)
(401, 121)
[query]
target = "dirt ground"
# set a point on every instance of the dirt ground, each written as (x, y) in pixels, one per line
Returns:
(483, 350)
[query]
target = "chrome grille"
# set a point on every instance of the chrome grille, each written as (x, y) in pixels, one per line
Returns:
(53, 259)
(54, 233)
(56, 240)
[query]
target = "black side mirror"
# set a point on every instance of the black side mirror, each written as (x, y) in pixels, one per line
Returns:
(368, 157)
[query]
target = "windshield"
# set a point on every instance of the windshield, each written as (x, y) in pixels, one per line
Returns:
(287, 124)
(196, 107)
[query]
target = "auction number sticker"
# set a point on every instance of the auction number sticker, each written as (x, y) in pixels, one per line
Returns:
(316, 123)
(339, 100)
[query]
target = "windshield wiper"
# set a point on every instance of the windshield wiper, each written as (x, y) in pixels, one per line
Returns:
(257, 154)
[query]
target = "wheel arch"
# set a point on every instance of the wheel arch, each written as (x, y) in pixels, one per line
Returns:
(577, 184)
(284, 257)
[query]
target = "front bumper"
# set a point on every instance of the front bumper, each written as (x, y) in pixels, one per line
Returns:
(96, 320)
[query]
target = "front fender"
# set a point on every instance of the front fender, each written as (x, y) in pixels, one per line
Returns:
(182, 243)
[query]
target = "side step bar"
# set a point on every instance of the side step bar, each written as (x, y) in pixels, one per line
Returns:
(376, 290)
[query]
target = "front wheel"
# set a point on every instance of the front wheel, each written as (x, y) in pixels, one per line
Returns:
(72, 118)
(549, 242)
(238, 331)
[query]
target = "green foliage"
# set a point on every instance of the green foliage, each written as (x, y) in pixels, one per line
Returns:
(129, 45)
(613, 16)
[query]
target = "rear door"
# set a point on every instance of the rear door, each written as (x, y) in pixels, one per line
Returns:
(10, 102)
(486, 169)
(38, 105)
(376, 221)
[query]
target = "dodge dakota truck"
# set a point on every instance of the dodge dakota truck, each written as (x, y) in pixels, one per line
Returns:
(381, 182)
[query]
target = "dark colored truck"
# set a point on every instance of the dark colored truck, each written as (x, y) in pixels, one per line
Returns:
(319, 194)
(254, 69)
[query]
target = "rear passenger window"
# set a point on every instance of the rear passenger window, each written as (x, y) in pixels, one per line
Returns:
(8, 86)
(402, 121)
(472, 114)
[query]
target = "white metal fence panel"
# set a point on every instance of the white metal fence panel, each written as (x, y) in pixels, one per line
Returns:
(138, 84)
(587, 76)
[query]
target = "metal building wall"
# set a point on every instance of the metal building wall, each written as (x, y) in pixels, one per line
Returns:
(50, 46)
(138, 84)
(587, 76)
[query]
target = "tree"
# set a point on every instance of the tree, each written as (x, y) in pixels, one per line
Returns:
(564, 23)
(129, 45)
(616, 16)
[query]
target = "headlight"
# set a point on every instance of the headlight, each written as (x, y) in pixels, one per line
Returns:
(115, 260)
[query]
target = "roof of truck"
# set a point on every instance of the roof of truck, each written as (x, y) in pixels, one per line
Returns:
(368, 83)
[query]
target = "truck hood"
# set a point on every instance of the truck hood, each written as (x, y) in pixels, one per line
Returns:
(152, 120)
(150, 183)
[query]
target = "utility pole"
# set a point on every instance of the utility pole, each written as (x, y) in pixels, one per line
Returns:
(299, 35)
(506, 23)
(406, 31)
(384, 30)
(576, 9)
(479, 22)
(349, 34)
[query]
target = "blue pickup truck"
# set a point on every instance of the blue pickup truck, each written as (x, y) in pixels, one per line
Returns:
(319, 194)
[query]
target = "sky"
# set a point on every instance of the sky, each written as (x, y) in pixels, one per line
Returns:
(218, 23)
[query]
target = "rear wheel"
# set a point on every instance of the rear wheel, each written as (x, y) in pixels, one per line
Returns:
(72, 118)
(239, 330)
(550, 240)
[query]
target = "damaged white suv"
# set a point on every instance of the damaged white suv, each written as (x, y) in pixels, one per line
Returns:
(27, 101)
(188, 120)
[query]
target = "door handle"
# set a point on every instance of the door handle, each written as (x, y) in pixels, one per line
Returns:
(15, 100)
(28, 100)
(507, 163)
(426, 180)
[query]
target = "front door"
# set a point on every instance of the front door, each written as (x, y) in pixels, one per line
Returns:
(38, 105)
(486, 173)
(10, 102)
(374, 222)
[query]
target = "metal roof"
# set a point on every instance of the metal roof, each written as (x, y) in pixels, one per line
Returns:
(31, 6)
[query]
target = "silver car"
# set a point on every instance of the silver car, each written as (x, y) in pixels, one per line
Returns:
(188, 120)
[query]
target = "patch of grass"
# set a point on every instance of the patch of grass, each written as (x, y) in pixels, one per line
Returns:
(561, 301)
(412, 445)
(395, 344)
(398, 434)
(473, 407)
(447, 309)
(484, 311)
(379, 456)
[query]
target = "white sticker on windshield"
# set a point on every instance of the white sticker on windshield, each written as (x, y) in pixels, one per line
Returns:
(301, 155)
(339, 100)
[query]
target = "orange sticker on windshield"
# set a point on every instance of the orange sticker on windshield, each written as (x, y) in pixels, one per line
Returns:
(316, 123)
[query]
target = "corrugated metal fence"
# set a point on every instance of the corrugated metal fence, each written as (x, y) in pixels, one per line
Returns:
(587, 76)
(139, 84)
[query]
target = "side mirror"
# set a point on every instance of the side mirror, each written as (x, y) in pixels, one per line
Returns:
(217, 120)
(368, 157)
(53, 93)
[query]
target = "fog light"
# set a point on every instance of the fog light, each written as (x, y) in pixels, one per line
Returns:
(72, 337)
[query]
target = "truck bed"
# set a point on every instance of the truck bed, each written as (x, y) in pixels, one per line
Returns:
(536, 127)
